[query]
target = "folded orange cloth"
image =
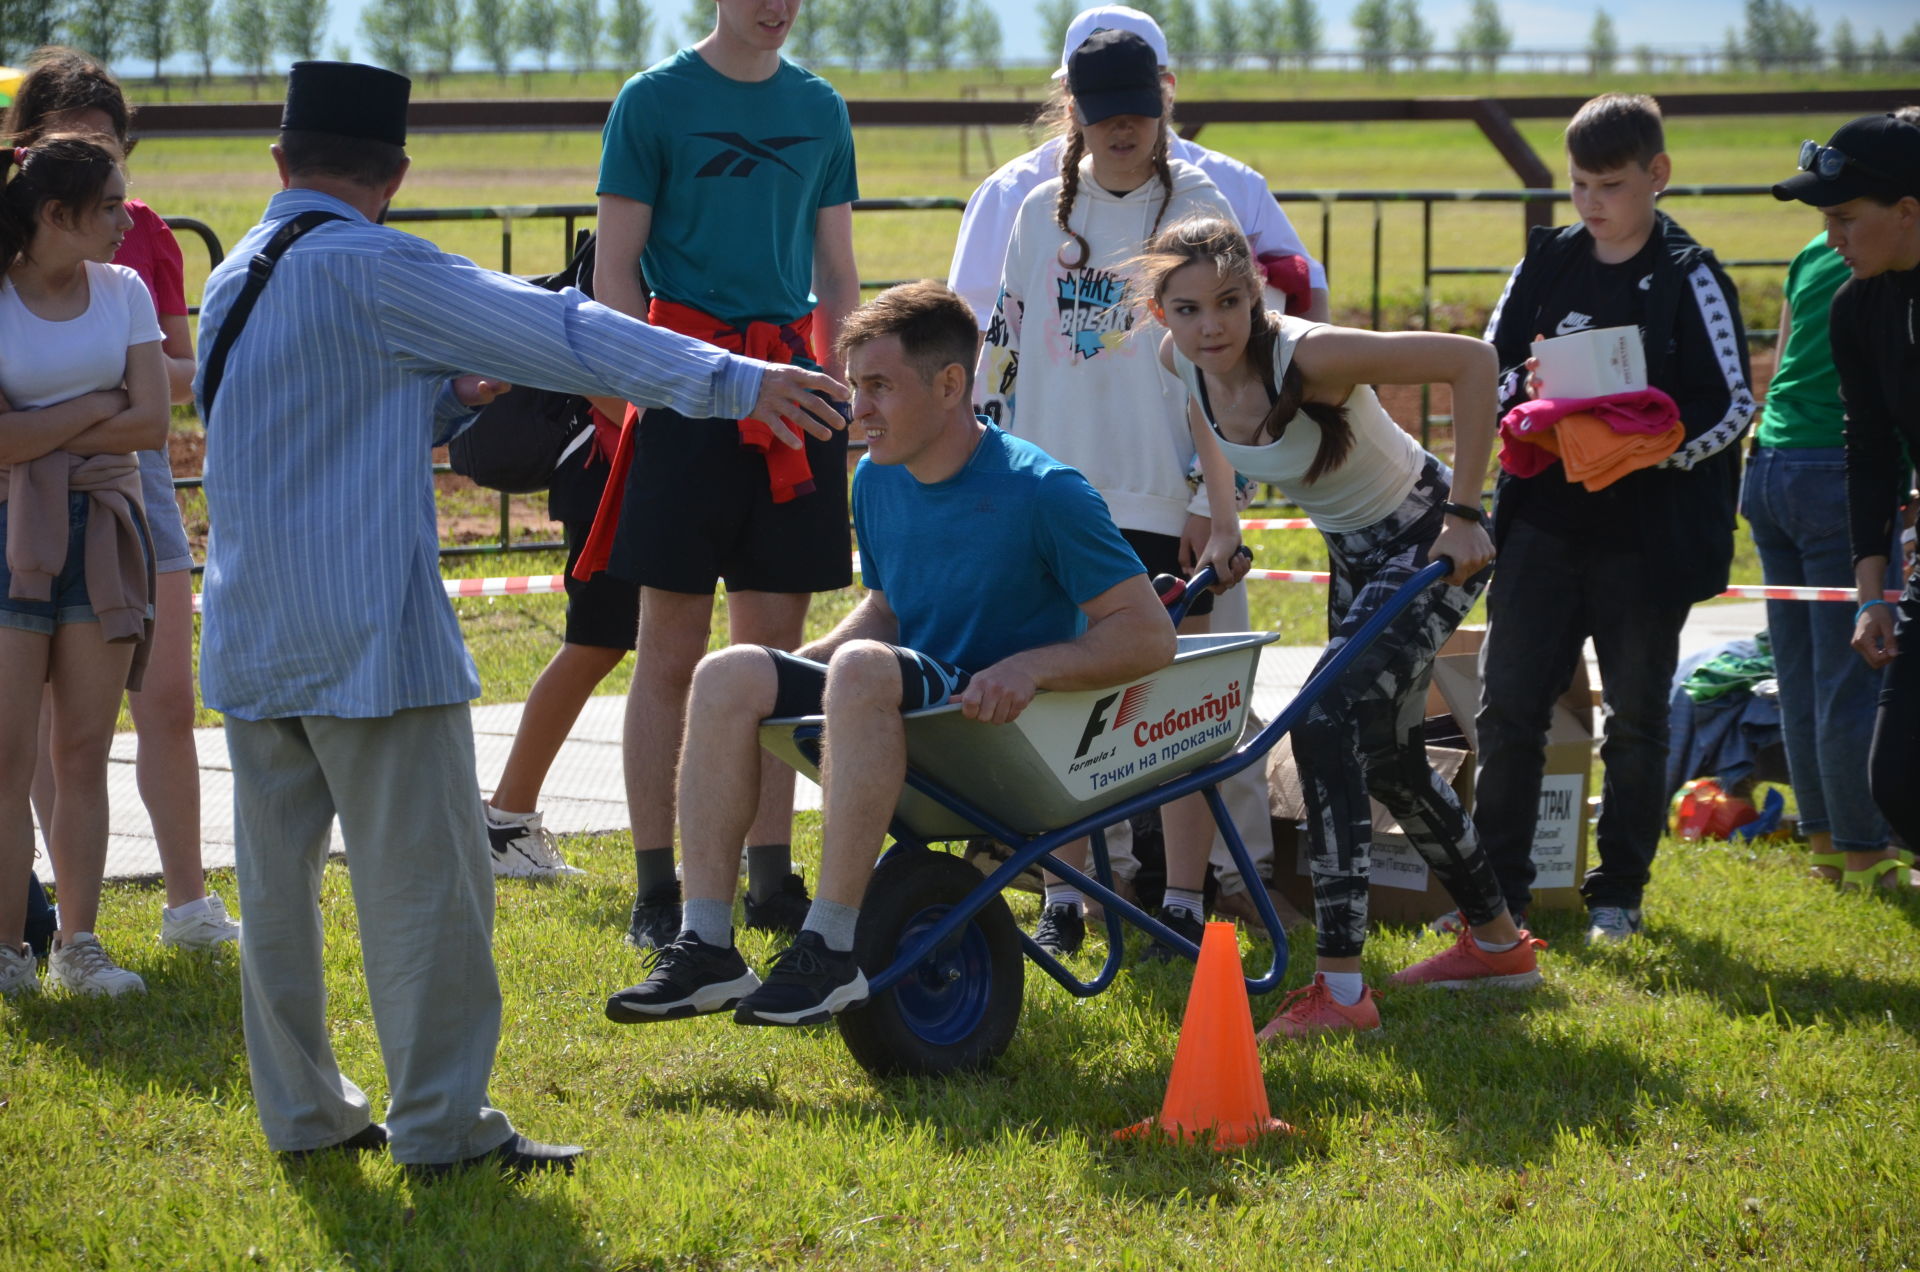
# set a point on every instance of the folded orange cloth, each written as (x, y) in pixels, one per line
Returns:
(788, 472)
(1596, 456)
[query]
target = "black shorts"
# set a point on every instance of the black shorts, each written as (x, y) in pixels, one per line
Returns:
(1160, 553)
(604, 611)
(699, 510)
(925, 682)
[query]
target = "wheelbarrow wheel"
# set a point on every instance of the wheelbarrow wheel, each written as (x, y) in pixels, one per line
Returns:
(958, 1007)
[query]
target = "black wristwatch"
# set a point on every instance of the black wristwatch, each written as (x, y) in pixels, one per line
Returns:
(1466, 512)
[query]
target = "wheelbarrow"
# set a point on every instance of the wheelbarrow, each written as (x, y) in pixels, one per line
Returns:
(944, 958)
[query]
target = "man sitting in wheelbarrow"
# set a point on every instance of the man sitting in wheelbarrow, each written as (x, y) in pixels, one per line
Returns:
(992, 572)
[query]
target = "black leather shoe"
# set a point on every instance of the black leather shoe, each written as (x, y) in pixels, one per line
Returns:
(516, 1159)
(371, 1138)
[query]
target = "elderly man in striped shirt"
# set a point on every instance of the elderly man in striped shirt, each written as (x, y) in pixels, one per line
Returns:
(327, 378)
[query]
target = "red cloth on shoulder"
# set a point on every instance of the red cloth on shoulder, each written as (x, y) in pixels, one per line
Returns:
(1287, 274)
(151, 251)
(788, 472)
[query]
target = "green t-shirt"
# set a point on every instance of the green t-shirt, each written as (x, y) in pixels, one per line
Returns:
(1803, 402)
(735, 174)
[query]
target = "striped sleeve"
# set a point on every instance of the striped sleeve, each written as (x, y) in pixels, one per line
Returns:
(1720, 319)
(445, 312)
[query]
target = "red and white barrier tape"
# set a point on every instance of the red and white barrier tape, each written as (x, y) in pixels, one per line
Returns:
(1276, 523)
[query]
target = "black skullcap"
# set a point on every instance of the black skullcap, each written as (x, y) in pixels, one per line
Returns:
(348, 100)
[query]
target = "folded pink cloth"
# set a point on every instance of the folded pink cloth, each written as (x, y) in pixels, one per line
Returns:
(1647, 411)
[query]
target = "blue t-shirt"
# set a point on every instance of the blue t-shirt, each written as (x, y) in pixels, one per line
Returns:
(996, 559)
(735, 173)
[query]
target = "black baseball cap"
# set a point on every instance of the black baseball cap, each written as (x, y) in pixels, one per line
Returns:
(1114, 73)
(348, 100)
(1875, 156)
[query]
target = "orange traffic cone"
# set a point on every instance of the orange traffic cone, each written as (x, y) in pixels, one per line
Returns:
(1216, 1086)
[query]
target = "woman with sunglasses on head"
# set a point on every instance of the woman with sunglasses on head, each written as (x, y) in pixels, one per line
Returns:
(1286, 401)
(85, 384)
(67, 91)
(1866, 183)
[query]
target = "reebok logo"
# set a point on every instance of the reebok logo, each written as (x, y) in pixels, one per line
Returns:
(739, 156)
(1573, 322)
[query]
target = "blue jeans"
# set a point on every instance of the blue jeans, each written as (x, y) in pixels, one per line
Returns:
(1796, 502)
(1550, 594)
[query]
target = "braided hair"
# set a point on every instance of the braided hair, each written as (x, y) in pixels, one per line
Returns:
(1058, 116)
(1212, 241)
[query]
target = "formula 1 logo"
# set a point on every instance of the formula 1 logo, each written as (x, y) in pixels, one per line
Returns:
(1132, 700)
(741, 156)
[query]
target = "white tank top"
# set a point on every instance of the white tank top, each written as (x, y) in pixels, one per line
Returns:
(1379, 471)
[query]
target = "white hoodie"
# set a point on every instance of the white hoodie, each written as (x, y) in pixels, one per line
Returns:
(1071, 364)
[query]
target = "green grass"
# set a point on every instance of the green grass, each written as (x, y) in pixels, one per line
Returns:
(1728, 1092)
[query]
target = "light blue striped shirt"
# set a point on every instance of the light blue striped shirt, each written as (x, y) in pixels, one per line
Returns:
(323, 593)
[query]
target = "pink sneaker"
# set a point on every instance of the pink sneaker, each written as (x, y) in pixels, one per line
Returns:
(1312, 1010)
(1464, 965)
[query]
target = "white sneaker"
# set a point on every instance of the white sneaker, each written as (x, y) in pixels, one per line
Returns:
(524, 849)
(19, 971)
(205, 928)
(82, 966)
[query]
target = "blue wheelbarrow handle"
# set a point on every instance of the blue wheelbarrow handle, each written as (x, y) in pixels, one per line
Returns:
(1179, 595)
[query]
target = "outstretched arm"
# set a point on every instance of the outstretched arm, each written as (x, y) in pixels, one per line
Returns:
(1334, 359)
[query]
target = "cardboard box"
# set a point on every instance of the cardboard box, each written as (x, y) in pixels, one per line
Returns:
(1403, 889)
(1593, 363)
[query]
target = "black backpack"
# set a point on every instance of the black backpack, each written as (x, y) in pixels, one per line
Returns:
(518, 440)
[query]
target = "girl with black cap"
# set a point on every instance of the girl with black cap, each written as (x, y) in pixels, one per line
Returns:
(1069, 363)
(1866, 183)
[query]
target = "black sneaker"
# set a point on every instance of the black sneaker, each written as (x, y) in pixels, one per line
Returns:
(1183, 924)
(806, 985)
(689, 978)
(656, 918)
(515, 1159)
(784, 911)
(1062, 930)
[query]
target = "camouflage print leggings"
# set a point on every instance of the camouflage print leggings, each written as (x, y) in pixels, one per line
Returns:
(1374, 714)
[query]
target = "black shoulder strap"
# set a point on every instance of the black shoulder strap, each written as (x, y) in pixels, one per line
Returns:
(259, 269)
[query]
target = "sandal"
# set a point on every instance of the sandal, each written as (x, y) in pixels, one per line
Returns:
(1834, 861)
(1872, 877)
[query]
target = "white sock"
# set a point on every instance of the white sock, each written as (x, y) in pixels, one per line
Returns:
(1346, 987)
(501, 817)
(1066, 894)
(190, 910)
(1188, 901)
(1494, 947)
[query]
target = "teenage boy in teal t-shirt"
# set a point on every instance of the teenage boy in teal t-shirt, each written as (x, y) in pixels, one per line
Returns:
(726, 184)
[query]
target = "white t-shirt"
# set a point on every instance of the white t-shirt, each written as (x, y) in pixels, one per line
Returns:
(45, 363)
(1071, 363)
(979, 256)
(1377, 475)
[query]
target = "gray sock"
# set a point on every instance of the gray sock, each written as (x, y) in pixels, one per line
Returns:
(768, 866)
(653, 870)
(834, 922)
(711, 921)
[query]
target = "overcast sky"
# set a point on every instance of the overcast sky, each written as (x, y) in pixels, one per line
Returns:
(1536, 23)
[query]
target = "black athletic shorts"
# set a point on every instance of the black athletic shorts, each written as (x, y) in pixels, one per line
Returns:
(924, 681)
(699, 510)
(1160, 553)
(604, 611)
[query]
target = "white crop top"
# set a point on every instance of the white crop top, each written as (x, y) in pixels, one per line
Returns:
(1379, 471)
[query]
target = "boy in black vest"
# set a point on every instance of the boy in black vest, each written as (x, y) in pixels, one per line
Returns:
(1622, 565)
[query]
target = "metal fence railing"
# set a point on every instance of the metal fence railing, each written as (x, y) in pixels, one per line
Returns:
(570, 215)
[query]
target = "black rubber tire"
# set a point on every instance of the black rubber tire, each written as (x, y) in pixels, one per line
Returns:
(957, 1010)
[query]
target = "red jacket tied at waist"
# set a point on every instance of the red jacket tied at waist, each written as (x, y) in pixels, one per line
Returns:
(788, 472)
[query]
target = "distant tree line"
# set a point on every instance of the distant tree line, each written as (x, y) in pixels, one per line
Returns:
(430, 36)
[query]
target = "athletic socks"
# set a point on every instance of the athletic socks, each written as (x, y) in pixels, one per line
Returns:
(711, 921)
(1495, 947)
(834, 922)
(652, 869)
(768, 866)
(1066, 894)
(500, 817)
(1346, 987)
(1191, 902)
